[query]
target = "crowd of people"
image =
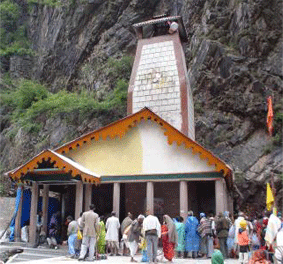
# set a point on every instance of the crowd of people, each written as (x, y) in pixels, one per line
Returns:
(203, 236)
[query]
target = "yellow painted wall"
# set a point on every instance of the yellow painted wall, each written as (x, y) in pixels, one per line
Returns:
(112, 156)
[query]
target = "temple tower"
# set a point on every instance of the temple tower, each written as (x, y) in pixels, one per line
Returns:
(159, 77)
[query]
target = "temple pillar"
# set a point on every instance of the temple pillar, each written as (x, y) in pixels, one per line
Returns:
(219, 196)
(79, 199)
(33, 213)
(19, 218)
(183, 199)
(116, 198)
(45, 200)
(150, 197)
(88, 196)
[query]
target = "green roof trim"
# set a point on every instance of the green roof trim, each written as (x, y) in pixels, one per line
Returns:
(48, 177)
(203, 175)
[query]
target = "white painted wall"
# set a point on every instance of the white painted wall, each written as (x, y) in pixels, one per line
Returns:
(160, 157)
(157, 83)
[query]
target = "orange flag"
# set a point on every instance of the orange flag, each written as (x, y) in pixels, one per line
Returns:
(269, 119)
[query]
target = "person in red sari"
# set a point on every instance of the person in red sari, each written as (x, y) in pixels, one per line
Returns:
(169, 237)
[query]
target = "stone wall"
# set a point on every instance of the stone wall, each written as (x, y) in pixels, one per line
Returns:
(7, 205)
(21, 66)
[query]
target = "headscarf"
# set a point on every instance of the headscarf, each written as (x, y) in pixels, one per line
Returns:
(172, 232)
(243, 224)
(226, 213)
(141, 216)
(258, 257)
(202, 215)
(265, 221)
(126, 222)
(217, 257)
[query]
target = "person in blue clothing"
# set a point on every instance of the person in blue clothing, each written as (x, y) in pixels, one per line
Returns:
(180, 227)
(192, 238)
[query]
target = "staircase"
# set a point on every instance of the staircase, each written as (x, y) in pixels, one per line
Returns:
(42, 252)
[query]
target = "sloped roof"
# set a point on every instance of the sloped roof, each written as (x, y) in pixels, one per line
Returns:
(65, 164)
(120, 128)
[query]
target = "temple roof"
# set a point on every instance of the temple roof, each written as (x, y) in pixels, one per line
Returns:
(154, 21)
(116, 129)
(58, 161)
(122, 126)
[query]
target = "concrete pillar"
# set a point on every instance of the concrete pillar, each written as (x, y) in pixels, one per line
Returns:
(88, 196)
(183, 199)
(150, 197)
(33, 213)
(45, 200)
(219, 196)
(226, 197)
(19, 218)
(79, 199)
(116, 198)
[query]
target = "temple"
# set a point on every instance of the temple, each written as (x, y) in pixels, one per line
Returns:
(148, 160)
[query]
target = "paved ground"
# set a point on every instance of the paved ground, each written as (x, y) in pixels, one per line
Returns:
(31, 254)
(44, 256)
(120, 260)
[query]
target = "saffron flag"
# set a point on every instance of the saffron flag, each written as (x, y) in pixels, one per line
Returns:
(269, 119)
(269, 197)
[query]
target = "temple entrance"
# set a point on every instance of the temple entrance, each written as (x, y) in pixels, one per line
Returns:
(166, 199)
(201, 197)
(68, 201)
(102, 198)
(134, 199)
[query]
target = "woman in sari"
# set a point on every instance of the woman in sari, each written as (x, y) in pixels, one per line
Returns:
(101, 240)
(180, 227)
(169, 237)
(259, 257)
(217, 257)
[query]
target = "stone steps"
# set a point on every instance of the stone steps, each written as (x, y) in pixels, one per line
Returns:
(34, 253)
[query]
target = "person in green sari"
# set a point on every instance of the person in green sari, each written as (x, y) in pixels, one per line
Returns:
(217, 257)
(180, 227)
(101, 240)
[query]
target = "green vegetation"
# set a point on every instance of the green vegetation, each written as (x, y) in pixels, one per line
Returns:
(278, 124)
(14, 40)
(120, 68)
(52, 3)
(29, 104)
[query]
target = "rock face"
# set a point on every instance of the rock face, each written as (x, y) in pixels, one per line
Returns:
(234, 59)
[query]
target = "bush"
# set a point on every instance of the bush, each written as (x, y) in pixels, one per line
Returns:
(62, 102)
(120, 68)
(14, 38)
(9, 13)
(52, 3)
(119, 95)
(28, 93)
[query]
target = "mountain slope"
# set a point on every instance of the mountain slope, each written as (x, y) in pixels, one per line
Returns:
(234, 59)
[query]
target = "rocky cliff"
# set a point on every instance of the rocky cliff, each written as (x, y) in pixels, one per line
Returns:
(234, 59)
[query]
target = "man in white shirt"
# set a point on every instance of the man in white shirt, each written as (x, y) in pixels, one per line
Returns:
(278, 255)
(152, 229)
(112, 235)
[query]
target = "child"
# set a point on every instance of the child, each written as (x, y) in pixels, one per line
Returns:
(143, 250)
(243, 241)
(255, 241)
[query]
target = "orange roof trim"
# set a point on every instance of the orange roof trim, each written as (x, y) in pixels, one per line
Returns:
(120, 128)
(61, 162)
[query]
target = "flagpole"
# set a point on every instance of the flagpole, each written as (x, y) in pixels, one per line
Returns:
(273, 189)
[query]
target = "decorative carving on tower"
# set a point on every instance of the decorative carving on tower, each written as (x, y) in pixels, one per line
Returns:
(159, 77)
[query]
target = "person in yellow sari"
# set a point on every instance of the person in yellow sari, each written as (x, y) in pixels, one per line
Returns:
(101, 240)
